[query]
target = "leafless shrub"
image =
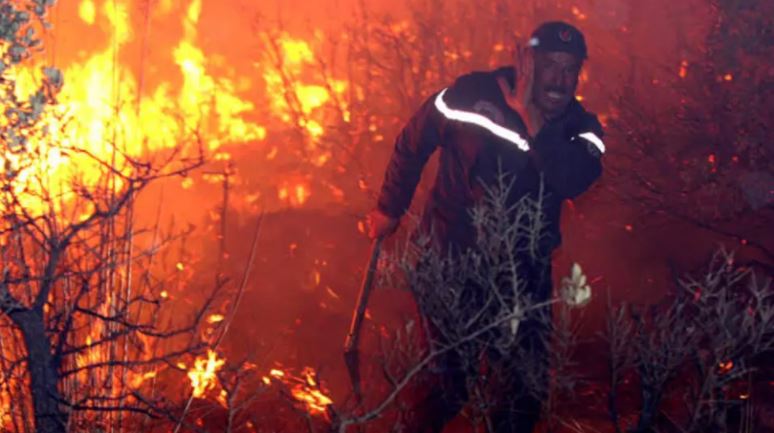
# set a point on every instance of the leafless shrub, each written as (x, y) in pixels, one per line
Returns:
(702, 344)
(81, 298)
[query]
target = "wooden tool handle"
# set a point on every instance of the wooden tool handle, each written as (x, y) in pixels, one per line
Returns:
(353, 337)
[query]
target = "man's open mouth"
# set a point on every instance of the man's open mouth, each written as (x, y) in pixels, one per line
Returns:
(555, 96)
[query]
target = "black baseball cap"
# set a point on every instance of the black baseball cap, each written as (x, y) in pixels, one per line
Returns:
(559, 36)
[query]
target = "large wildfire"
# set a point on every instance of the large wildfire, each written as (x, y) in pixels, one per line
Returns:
(115, 108)
(157, 313)
(106, 99)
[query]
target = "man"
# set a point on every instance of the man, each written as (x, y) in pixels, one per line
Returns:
(523, 120)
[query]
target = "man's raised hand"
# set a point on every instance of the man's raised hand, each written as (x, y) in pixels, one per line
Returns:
(519, 97)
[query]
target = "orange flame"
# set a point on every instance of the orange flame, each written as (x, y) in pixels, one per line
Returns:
(102, 106)
(683, 72)
(310, 394)
(305, 389)
(215, 318)
(107, 109)
(202, 375)
(578, 14)
(295, 55)
(295, 194)
(138, 380)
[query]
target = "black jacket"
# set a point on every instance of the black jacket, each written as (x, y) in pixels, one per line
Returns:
(475, 129)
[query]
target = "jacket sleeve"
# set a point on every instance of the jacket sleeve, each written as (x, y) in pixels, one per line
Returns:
(571, 160)
(413, 147)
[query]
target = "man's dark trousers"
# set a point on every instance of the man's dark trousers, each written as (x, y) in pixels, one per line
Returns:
(518, 403)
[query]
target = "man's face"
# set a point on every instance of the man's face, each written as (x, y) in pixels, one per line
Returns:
(556, 78)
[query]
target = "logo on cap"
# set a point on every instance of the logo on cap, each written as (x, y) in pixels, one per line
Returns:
(565, 35)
